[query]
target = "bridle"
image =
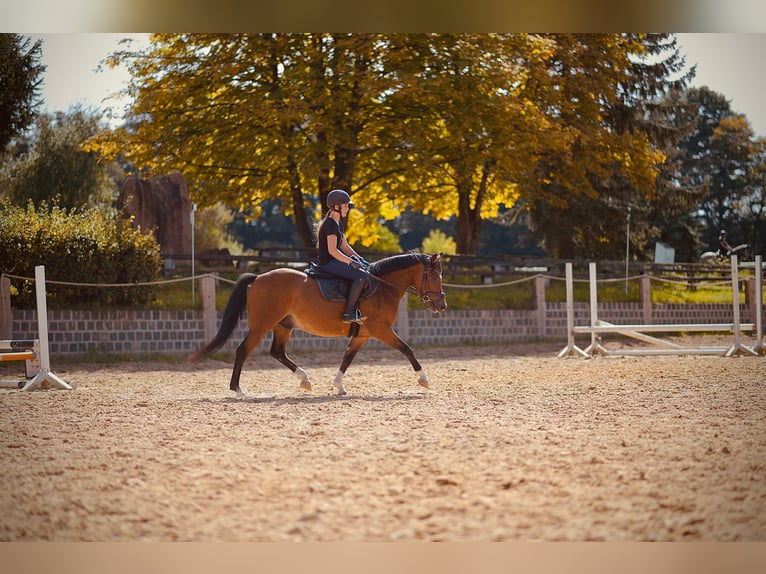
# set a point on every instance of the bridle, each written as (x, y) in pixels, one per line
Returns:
(425, 292)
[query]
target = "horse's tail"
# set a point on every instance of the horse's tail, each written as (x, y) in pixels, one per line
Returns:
(235, 309)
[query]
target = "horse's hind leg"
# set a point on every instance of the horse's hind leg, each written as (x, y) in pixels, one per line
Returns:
(279, 352)
(352, 349)
(245, 348)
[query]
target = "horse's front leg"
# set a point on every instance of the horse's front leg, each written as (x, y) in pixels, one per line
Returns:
(352, 349)
(390, 338)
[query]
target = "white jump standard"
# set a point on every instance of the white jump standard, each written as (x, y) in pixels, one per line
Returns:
(21, 350)
(639, 332)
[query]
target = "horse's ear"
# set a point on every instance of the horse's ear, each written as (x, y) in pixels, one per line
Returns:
(435, 258)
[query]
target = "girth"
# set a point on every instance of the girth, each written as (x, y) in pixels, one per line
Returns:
(334, 288)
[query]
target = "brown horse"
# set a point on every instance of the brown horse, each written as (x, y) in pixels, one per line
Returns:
(284, 299)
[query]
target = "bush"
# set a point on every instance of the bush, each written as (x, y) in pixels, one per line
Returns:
(77, 247)
(439, 242)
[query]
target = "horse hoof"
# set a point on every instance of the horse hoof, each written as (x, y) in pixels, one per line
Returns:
(238, 394)
(306, 385)
(341, 392)
(423, 382)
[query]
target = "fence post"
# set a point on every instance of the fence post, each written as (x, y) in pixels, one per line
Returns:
(645, 294)
(6, 315)
(403, 319)
(209, 314)
(540, 306)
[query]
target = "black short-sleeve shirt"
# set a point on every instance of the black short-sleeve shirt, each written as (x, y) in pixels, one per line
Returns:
(328, 228)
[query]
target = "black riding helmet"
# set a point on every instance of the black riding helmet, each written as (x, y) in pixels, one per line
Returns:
(338, 197)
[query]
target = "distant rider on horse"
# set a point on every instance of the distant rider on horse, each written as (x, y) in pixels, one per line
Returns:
(724, 249)
(336, 256)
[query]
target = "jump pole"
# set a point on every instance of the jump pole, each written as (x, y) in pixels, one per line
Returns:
(18, 350)
(45, 375)
(759, 347)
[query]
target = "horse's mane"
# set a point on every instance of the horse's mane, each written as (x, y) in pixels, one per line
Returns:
(396, 262)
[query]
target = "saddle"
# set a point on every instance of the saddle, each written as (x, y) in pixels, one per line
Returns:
(334, 288)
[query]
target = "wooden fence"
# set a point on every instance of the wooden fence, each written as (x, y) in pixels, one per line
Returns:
(468, 268)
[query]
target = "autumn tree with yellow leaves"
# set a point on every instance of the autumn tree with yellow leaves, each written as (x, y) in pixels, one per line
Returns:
(448, 124)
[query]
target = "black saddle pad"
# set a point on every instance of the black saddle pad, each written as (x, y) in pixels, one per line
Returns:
(334, 288)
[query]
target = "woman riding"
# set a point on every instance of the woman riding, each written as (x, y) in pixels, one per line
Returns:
(724, 249)
(336, 256)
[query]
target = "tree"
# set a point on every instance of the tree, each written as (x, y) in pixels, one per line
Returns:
(446, 124)
(54, 164)
(471, 125)
(439, 242)
(20, 81)
(249, 118)
(722, 157)
(753, 206)
(610, 92)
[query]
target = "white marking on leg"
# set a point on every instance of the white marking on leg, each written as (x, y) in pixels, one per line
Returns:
(304, 378)
(422, 379)
(338, 382)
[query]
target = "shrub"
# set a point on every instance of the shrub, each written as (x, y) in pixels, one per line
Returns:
(76, 246)
(439, 242)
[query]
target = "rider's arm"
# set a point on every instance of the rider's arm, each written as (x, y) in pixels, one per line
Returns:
(348, 250)
(332, 248)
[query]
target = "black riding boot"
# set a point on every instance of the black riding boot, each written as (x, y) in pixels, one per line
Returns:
(352, 314)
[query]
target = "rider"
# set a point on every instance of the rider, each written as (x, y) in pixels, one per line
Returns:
(336, 256)
(724, 249)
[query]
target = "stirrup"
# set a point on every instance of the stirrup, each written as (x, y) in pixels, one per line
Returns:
(357, 317)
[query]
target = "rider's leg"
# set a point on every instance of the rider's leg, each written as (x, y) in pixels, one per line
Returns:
(359, 280)
(352, 315)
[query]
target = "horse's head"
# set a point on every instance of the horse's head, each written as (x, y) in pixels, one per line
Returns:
(430, 288)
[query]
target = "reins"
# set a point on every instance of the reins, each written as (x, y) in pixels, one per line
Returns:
(425, 296)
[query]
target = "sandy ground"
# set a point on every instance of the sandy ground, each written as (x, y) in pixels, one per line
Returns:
(509, 444)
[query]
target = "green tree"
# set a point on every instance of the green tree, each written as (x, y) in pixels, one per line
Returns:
(55, 164)
(20, 81)
(722, 157)
(211, 232)
(610, 92)
(753, 207)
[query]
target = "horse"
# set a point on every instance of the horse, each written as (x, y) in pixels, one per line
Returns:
(712, 257)
(284, 299)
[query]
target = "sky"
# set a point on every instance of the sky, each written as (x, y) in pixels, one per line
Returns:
(731, 64)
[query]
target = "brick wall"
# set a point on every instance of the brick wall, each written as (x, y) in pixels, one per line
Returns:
(141, 332)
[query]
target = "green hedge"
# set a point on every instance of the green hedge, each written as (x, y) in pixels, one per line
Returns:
(77, 246)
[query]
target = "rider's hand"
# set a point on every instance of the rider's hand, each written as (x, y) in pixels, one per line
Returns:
(355, 264)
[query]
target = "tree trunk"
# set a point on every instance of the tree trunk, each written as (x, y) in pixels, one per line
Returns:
(469, 220)
(469, 226)
(302, 224)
